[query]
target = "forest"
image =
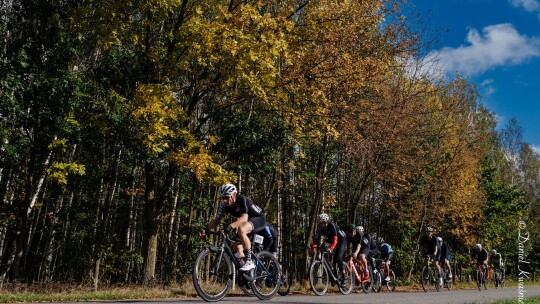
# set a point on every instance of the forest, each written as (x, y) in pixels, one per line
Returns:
(119, 120)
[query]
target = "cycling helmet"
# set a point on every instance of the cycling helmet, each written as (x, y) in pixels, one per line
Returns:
(380, 240)
(440, 239)
(493, 252)
(428, 229)
(324, 217)
(360, 229)
(478, 247)
(227, 190)
(349, 228)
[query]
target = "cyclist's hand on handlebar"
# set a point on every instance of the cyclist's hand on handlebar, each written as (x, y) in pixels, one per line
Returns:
(227, 229)
(203, 232)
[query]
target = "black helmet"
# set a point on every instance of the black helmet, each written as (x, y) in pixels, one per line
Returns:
(349, 228)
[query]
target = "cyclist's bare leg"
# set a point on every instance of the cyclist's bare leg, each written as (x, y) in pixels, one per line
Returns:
(363, 259)
(387, 264)
(243, 232)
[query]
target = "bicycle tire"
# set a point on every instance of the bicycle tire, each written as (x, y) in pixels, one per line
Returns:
(265, 277)
(210, 286)
(285, 280)
(426, 279)
(318, 278)
(349, 285)
(496, 279)
(479, 278)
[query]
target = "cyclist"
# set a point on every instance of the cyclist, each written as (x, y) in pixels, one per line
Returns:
(482, 257)
(386, 254)
(270, 242)
(363, 244)
(497, 262)
(445, 257)
(249, 218)
(430, 245)
(335, 240)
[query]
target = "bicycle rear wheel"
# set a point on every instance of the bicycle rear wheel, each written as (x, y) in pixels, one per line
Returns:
(286, 280)
(426, 279)
(265, 281)
(318, 278)
(348, 280)
(212, 275)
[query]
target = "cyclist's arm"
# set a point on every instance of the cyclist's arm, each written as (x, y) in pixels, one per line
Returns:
(213, 224)
(357, 250)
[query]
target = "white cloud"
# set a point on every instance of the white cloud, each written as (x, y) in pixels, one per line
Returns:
(536, 149)
(498, 45)
(487, 87)
(528, 5)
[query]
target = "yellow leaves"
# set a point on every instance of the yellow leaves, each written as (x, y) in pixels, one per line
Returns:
(158, 114)
(59, 172)
(195, 157)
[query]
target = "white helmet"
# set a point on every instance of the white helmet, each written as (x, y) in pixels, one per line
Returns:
(227, 190)
(360, 228)
(478, 246)
(440, 239)
(324, 217)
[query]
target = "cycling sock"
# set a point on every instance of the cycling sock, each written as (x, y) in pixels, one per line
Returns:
(248, 255)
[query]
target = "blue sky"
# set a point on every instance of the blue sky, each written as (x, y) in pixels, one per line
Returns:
(496, 44)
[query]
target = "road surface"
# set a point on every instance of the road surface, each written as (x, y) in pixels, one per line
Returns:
(433, 297)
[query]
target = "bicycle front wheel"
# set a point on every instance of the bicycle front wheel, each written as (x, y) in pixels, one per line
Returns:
(285, 280)
(438, 281)
(479, 279)
(376, 281)
(426, 279)
(318, 278)
(212, 275)
(391, 285)
(265, 282)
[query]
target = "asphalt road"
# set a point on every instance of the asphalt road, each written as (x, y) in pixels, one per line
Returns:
(443, 297)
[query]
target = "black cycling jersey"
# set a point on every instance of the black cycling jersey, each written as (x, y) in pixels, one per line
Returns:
(329, 232)
(364, 239)
(480, 256)
(430, 244)
(241, 205)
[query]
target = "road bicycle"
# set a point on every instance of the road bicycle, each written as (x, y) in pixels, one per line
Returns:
(322, 273)
(499, 275)
(216, 267)
(390, 284)
(430, 276)
(361, 278)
